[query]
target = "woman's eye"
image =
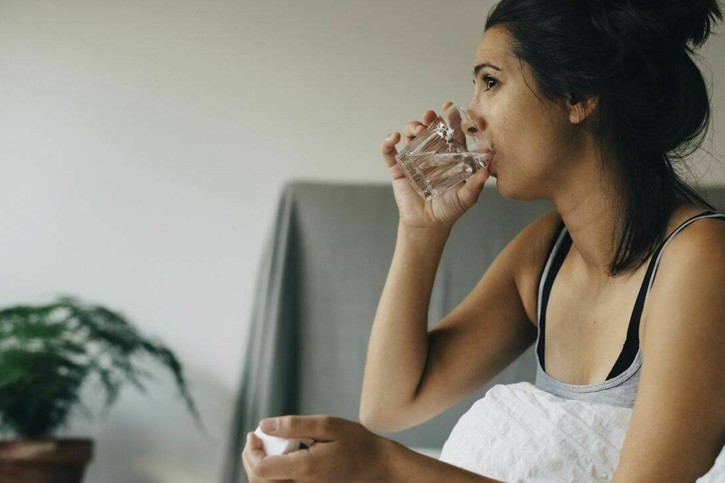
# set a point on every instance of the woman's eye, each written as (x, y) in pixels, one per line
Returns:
(487, 80)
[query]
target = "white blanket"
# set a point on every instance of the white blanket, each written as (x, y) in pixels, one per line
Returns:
(520, 434)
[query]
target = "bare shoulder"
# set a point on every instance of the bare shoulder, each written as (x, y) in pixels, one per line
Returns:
(692, 265)
(701, 241)
(532, 245)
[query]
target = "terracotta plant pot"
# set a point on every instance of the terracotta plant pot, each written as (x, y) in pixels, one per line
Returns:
(44, 460)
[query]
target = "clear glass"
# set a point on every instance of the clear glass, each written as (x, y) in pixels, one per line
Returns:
(444, 154)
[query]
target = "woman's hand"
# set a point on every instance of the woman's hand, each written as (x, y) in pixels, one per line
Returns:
(343, 450)
(443, 210)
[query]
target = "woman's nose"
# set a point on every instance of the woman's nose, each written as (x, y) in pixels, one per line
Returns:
(473, 125)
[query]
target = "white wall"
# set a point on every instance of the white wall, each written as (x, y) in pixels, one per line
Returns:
(143, 147)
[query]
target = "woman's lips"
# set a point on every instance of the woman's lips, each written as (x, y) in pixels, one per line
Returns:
(491, 166)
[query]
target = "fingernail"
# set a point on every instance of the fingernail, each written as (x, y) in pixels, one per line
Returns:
(269, 425)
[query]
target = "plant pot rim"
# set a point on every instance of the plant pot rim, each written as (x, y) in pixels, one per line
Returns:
(47, 450)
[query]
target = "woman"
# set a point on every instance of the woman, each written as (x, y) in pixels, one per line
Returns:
(587, 104)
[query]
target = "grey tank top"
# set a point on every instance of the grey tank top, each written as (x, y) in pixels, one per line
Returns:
(620, 387)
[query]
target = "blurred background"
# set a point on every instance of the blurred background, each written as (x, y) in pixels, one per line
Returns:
(144, 145)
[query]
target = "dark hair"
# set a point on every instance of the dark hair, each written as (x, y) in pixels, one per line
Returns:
(653, 108)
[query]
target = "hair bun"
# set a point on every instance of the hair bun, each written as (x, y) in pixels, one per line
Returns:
(692, 20)
(656, 23)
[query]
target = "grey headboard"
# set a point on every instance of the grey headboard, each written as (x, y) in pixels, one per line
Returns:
(318, 286)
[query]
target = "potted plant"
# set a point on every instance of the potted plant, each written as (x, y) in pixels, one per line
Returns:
(47, 354)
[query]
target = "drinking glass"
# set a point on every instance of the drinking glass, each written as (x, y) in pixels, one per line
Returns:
(444, 154)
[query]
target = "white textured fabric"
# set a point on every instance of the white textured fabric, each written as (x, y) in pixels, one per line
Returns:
(717, 472)
(520, 434)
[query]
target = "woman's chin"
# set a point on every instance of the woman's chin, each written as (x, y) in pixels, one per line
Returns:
(510, 192)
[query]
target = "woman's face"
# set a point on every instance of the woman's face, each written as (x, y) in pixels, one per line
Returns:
(532, 137)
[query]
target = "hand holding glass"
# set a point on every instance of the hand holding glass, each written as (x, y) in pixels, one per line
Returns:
(446, 153)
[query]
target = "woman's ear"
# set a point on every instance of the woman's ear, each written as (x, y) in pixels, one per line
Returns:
(580, 109)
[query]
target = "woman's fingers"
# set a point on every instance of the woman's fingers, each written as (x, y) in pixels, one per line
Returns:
(388, 148)
(252, 455)
(245, 455)
(389, 153)
(414, 128)
(409, 132)
(428, 117)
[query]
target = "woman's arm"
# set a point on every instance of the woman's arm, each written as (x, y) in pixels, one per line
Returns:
(678, 422)
(407, 466)
(344, 450)
(398, 341)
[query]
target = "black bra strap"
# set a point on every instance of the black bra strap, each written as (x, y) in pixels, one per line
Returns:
(553, 270)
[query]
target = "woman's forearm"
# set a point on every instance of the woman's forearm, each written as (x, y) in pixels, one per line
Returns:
(399, 337)
(408, 466)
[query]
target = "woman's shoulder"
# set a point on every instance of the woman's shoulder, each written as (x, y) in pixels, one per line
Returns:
(538, 237)
(690, 264)
(700, 232)
(703, 234)
(534, 242)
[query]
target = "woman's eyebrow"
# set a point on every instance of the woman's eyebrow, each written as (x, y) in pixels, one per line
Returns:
(481, 66)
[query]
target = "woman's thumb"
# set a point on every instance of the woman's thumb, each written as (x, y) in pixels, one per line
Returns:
(477, 180)
(473, 186)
